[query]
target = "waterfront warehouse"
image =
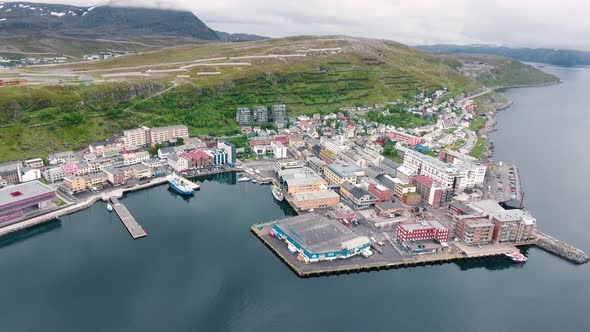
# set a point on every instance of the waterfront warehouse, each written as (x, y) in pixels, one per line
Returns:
(317, 238)
(15, 199)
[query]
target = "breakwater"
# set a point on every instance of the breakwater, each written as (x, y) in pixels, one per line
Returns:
(561, 249)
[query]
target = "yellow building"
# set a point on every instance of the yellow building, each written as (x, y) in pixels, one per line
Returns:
(315, 200)
(338, 172)
(305, 184)
(75, 183)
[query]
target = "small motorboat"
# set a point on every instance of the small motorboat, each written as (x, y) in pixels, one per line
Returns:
(109, 207)
(517, 257)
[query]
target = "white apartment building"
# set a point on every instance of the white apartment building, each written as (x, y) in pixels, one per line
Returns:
(135, 158)
(335, 144)
(167, 134)
(279, 150)
(136, 137)
(459, 176)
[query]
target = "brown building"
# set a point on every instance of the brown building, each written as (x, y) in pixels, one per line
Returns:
(513, 226)
(474, 230)
(327, 156)
(9, 172)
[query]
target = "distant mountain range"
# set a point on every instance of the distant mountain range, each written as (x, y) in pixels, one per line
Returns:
(31, 19)
(566, 58)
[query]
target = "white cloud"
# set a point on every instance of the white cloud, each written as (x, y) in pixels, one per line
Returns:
(542, 23)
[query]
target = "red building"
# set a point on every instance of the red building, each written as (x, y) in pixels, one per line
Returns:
(425, 230)
(15, 199)
(198, 158)
(380, 192)
(404, 137)
(430, 191)
(475, 230)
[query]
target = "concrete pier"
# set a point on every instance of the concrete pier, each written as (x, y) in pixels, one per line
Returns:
(130, 223)
(561, 249)
(390, 258)
(190, 184)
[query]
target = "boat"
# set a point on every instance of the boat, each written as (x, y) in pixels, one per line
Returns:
(516, 256)
(178, 185)
(109, 207)
(254, 181)
(277, 193)
(243, 179)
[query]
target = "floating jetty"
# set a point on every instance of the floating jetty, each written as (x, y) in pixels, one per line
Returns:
(561, 249)
(130, 223)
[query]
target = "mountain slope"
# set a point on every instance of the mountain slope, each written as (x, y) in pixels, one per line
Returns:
(238, 37)
(566, 58)
(26, 18)
(500, 72)
(308, 74)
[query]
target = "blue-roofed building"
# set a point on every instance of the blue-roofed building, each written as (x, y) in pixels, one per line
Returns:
(318, 238)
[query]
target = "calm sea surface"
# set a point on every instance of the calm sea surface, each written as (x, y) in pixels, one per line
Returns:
(200, 269)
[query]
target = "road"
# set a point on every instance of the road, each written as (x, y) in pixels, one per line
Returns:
(471, 140)
(472, 136)
(464, 100)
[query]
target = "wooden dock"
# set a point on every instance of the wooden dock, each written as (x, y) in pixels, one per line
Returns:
(130, 223)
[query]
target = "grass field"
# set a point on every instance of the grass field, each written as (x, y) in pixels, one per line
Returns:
(479, 148)
(477, 123)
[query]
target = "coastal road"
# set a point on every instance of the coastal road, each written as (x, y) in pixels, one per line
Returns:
(464, 100)
(471, 140)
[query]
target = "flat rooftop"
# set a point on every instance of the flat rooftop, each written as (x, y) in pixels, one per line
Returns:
(23, 191)
(318, 234)
(321, 194)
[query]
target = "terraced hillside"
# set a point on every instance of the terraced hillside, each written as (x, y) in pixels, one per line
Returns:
(201, 85)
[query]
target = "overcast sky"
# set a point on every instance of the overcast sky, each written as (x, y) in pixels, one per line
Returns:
(540, 23)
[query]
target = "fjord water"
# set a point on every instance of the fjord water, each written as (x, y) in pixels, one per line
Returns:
(200, 269)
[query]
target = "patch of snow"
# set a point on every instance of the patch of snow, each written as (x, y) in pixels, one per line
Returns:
(91, 8)
(8, 10)
(2, 19)
(57, 14)
(1, 6)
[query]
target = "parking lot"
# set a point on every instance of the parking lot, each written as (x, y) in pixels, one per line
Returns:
(502, 182)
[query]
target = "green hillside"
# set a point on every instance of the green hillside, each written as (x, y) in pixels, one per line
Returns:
(46, 118)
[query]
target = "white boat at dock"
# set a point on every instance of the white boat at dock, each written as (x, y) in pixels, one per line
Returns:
(277, 193)
(180, 185)
(243, 179)
(109, 207)
(517, 257)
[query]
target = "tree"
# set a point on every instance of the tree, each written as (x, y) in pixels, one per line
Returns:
(389, 150)
(154, 151)
(179, 140)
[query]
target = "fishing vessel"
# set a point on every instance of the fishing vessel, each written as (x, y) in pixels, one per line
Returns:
(243, 179)
(178, 185)
(516, 256)
(277, 193)
(109, 207)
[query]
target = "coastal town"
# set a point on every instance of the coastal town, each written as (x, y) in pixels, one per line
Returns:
(367, 195)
